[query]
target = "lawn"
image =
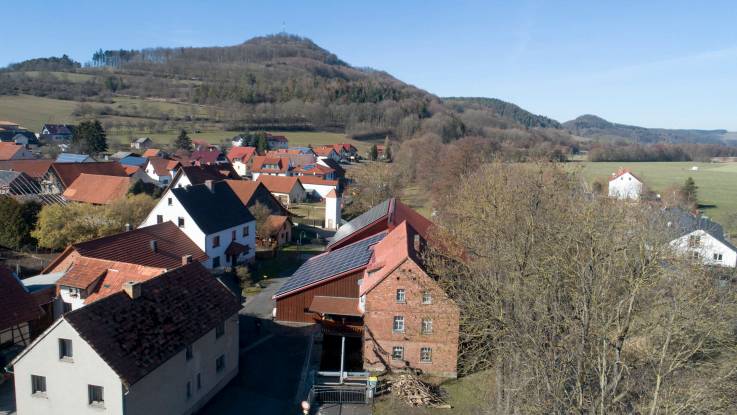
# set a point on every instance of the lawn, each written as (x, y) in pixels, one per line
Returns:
(469, 395)
(717, 182)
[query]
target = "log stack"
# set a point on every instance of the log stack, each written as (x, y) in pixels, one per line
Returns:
(414, 392)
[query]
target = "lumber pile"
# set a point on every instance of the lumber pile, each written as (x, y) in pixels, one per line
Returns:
(414, 392)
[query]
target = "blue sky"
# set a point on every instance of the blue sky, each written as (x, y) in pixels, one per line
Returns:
(655, 64)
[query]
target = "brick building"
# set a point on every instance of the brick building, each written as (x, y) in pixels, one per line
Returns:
(376, 288)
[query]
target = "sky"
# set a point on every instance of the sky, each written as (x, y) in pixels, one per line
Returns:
(666, 64)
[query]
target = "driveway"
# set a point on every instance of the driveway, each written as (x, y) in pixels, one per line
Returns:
(271, 362)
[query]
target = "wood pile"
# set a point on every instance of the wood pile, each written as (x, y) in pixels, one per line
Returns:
(414, 392)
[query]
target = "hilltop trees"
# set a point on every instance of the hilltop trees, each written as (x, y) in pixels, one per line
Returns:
(568, 302)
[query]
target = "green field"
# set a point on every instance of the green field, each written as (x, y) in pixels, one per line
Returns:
(32, 112)
(717, 182)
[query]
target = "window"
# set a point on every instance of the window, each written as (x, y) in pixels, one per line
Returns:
(65, 349)
(397, 353)
(95, 395)
(694, 240)
(232, 236)
(398, 323)
(189, 389)
(245, 231)
(38, 385)
(159, 218)
(695, 255)
(199, 381)
(220, 363)
(426, 326)
(219, 330)
(717, 257)
(215, 241)
(180, 222)
(216, 262)
(400, 295)
(188, 352)
(426, 355)
(426, 297)
(169, 202)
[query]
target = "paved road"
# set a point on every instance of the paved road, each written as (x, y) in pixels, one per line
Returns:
(271, 363)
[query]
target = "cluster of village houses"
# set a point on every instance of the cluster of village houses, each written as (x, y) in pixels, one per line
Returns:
(138, 322)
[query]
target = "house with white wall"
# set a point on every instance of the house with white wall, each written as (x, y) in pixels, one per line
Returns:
(287, 190)
(240, 158)
(699, 238)
(149, 349)
(161, 170)
(213, 217)
(317, 187)
(625, 185)
(189, 175)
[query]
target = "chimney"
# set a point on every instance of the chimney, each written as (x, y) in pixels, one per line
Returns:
(128, 227)
(154, 245)
(186, 259)
(208, 183)
(133, 289)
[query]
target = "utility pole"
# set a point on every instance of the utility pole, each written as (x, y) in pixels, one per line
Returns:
(342, 357)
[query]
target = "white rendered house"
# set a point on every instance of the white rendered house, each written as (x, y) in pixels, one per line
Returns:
(214, 218)
(115, 357)
(701, 239)
(625, 185)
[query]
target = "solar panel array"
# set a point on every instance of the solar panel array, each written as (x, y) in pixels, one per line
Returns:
(360, 222)
(329, 264)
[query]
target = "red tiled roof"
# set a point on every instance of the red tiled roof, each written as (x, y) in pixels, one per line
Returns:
(206, 156)
(279, 184)
(113, 282)
(621, 172)
(152, 152)
(200, 174)
(162, 166)
(134, 247)
(242, 153)
(337, 306)
(259, 161)
(16, 304)
(68, 172)
(97, 189)
(131, 170)
(34, 168)
(317, 181)
(324, 150)
(8, 150)
(246, 190)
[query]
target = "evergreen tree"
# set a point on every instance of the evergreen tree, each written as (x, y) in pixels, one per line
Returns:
(183, 141)
(373, 152)
(262, 144)
(90, 137)
(387, 149)
(689, 192)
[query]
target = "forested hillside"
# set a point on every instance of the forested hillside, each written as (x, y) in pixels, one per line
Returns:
(591, 126)
(502, 109)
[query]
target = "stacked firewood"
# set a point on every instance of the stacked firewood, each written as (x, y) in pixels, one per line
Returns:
(414, 392)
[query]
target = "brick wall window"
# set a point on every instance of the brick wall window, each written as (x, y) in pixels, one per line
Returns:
(400, 296)
(426, 326)
(426, 297)
(398, 324)
(397, 353)
(426, 355)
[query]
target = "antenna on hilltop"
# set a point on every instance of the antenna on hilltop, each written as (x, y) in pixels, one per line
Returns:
(284, 27)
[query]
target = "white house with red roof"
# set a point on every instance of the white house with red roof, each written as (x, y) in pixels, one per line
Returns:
(625, 185)
(240, 158)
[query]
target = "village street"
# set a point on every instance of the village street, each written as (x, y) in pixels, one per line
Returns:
(271, 362)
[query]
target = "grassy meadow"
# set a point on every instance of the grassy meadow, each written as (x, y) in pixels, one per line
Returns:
(717, 182)
(32, 112)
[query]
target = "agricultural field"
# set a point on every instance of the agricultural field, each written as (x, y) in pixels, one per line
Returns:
(717, 182)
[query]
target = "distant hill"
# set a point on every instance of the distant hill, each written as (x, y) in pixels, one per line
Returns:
(597, 128)
(503, 109)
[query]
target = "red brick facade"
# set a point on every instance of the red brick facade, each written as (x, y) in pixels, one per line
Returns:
(381, 306)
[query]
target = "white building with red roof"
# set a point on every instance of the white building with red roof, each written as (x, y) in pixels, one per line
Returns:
(625, 185)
